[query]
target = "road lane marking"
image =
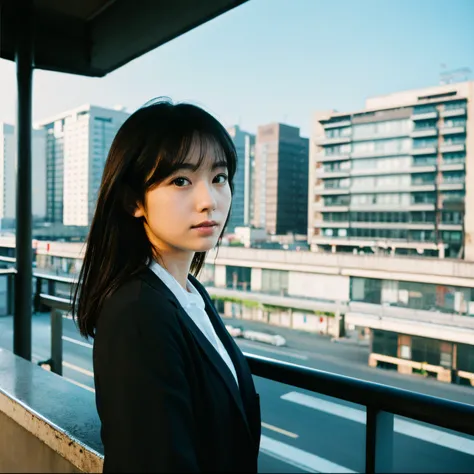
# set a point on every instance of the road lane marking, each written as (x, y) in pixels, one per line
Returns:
(407, 428)
(79, 384)
(79, 343)
(66, 364)
(298, 458)
(280, 430)
(274, 351)
(78, 369)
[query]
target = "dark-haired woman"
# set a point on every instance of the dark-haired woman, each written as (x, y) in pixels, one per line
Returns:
(174, 392)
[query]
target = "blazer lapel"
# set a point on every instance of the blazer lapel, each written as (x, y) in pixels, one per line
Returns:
(238, 359)
(211, 353)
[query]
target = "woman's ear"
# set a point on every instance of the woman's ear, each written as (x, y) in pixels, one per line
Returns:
(139, 211)
(131, 205)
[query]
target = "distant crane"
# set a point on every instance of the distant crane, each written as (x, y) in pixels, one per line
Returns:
(454, 75)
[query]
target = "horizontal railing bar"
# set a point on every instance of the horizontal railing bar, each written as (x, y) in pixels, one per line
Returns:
(56, 278)
(7, 259)
(417, 406)
(7, 271)
(56, 302)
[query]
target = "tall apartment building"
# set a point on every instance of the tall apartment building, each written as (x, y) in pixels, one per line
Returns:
(281, 176)
(8, 178)
(77, 144)
(396, 175)
(242, 201)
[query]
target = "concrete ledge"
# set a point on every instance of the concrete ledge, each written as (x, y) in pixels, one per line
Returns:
(35, 403)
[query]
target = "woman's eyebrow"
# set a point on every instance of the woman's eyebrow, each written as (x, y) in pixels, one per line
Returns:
(219, 164)
(194, 167)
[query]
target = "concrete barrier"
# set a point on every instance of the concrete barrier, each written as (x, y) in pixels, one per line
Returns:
(40, 430)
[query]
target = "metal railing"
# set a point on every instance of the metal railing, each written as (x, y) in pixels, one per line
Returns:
(381, 401)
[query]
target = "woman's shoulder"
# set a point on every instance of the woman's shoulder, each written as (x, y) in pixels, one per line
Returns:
(135, 300)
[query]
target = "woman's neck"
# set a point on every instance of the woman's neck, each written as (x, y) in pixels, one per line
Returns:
(178, 267)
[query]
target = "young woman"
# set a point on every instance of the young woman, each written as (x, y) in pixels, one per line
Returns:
(174, 392)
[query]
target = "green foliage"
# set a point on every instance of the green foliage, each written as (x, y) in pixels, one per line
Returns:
(246, 303)
(329, 314)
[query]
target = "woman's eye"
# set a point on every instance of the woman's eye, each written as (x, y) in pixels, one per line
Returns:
(220, 178)
(180, 182)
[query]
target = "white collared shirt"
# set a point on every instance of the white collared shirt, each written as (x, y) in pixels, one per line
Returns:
(194, 305)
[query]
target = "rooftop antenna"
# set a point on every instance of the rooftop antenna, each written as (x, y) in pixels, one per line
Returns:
(454, 75)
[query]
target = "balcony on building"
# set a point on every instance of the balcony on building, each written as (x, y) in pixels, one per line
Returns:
(453, 109)
(377, 153)
(452, 147)
(333, 191)
(419, 168)
(395, 207)
(424, 150)
(451, 227)
(424, 129)
(331, 224)
(376, 172)
(424, 113)
(421, 206)
(452, 186)
(335, 203)
(453, 166)
(452, 130)
(338, 173)
(323, 158)
(419, 188)
(336, 124)
(339, 140)
(327, 208)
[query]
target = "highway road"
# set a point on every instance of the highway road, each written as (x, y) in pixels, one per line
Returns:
(302, 431)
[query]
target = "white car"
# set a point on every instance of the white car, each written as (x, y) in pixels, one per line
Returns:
(234, 331)
(273, 339)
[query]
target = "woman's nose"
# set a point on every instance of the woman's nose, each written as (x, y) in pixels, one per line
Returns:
(206, 198)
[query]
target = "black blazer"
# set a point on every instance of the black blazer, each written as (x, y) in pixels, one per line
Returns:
(166, 399)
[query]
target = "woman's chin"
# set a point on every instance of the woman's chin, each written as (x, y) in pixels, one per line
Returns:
(205, 245)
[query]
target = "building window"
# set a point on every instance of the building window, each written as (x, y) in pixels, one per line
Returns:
(275, 281)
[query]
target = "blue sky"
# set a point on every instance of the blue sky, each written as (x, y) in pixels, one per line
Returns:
(278, 60)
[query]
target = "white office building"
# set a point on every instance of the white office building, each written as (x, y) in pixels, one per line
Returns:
(8, 177)
(77, 144)
(242, 201)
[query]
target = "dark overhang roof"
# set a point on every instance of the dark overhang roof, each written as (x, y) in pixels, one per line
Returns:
(95, 37)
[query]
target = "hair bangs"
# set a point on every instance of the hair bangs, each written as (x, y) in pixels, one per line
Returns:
(198, 141)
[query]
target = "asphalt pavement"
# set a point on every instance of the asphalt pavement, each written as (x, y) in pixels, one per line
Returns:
(302, 431)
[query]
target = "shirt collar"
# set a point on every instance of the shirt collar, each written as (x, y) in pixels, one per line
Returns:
(185, 298)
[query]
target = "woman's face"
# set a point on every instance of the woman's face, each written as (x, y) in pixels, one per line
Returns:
(187, 211)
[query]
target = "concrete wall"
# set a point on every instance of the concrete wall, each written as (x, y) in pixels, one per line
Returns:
(330, 287)
(256, 279)
(36, 436)
(220, 276)
(21, 451)
(428, 270)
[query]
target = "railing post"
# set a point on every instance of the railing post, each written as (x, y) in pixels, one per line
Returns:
(51, 287)
(378, 441)
(10, 294)
(56, 341)
(36, 300)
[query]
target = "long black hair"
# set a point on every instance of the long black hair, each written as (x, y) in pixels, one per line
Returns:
(150, 145)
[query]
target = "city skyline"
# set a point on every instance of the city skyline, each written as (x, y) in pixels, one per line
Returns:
(304, 56)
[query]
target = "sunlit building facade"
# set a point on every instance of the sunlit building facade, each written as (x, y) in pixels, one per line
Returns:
(394, 176)
(77, 144)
